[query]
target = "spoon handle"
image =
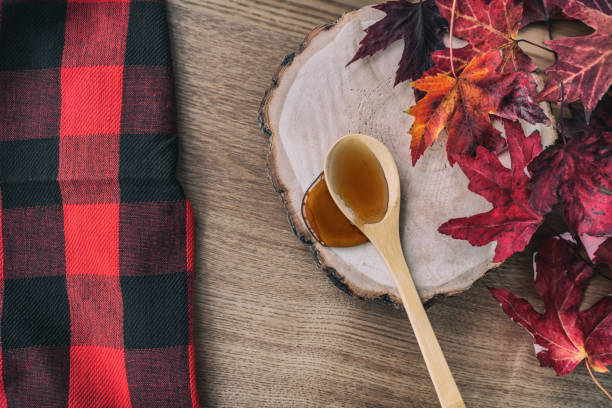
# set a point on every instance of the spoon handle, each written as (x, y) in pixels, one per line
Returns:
(441, 376)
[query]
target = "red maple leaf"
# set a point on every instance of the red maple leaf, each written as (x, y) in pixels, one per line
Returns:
(441, 63)
(584, 67)
(520, 103)
(601, 119)
(563, 336)
(604, 253)
(490, 26)
(537, 10)
(441, 60)
(599, 249)
(421, 27)
(512, 221)
(579, 175)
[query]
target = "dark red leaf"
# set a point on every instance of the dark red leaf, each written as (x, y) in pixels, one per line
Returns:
(591, 244)
(419, 25)
(563, 336)
(604, 253)
(537, 10)
(579, 175)
(584, 68)
(441, 59)
(490, 26)
(488, 177)
(522, 149)
(512, 226)
(512, 221)
(601, 119)
(597, 326)
(521, 102)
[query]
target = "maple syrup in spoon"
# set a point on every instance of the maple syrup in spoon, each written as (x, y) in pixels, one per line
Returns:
(325, 220)
(358, 179)
(363, 188)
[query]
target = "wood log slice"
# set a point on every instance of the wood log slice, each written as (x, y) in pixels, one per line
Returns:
(316, 99)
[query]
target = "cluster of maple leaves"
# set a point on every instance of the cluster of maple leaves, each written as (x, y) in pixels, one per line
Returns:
(491, 78)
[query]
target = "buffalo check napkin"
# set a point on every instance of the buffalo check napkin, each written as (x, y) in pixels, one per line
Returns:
(96, 251)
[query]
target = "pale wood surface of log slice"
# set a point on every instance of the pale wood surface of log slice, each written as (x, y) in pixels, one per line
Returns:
(315, 99)
(270, 331)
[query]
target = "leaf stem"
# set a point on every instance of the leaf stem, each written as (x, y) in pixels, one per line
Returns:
(549, 28)
(452, 24)
(561, 106)
(536, 45)
(586, 360)
(575, 249)
(550, 34)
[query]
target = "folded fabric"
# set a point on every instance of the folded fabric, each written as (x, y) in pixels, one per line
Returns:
(96, 249)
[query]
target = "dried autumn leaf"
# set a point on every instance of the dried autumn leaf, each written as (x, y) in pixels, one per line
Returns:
(584, 67)
(597, 326)
(537, 10)
(490, 26)
(421, 27)
(591, 244)
(563, 335)
(462, 105)
(579, 175)
(604, 253)
(519, 103)
(601, 119)
(512, 221)
(598, 249)
(441, 59)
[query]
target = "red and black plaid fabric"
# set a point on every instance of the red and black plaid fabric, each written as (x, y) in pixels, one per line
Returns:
(96, 250)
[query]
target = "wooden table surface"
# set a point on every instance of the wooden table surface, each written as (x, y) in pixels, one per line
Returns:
(271, 330)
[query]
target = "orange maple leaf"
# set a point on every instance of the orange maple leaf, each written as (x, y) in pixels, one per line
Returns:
(461, 105)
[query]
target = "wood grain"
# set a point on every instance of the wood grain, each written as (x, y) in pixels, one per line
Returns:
(271, 331)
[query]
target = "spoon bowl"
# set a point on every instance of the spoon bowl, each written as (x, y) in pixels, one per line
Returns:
(372, 156)
(363, 181)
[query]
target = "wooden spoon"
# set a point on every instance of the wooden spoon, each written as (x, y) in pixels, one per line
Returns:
(363, 181)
